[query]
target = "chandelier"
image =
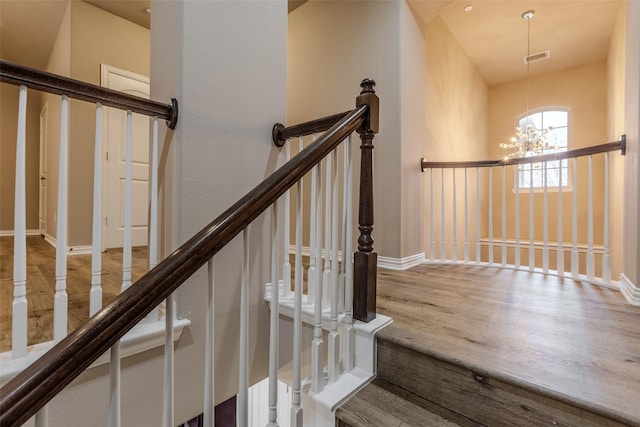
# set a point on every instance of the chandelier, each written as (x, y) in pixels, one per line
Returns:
(528, 141)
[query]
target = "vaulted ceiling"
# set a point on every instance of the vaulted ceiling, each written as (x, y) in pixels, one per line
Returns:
(492, 34)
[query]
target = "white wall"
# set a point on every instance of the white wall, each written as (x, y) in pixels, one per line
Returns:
(632, 158)
(225, 61)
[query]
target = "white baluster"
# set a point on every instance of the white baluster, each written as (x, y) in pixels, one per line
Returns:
(454, 251)
(517, 225)
(286, 265)
(273, 326)
(545, 229)
(113, 417)
(504, 216)
(317, 345)
(575, 260)
(349, 332)
(319, 225)
(296, 408)
(326, 274)
(19, 307)
(168, 385)
(209, 371)
(478, 248)
(490, 215)
(61, 298)
(153, 208)
(466, 218)
(334, 337)
(590, 255)
(95, 296)
(243, 369)
(126, 248)
(532, 254)
(300, 213)
(432, 241)
(443, 241)
(560, 250)
(606, 262)
(312, 270)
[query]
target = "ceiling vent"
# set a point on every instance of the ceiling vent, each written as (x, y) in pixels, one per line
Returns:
(540, 56)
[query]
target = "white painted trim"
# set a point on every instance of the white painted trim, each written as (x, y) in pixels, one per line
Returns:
(50, 239)
(539, 245)
(401, 263)
(142, 337)
(79, 250)
(630, 291)
(7, 233)
(383, 262)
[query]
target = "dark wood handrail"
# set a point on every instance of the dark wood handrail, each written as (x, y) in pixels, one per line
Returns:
(579, 152)
(280, 133)
(30, 390)
(36, 79)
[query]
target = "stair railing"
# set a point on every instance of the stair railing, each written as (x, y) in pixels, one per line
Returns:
(340, 289)
(31, 79)
(588, 261)
(30, 390)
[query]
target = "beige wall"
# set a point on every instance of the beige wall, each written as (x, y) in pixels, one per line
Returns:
(96, 37)
(8, 133)
(583, 90)
(88, 36)
(413, 130)
(457, 102)
(59, 62)
(332, 46)
(615, 128)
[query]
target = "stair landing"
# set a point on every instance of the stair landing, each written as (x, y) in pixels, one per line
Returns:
(502, 347)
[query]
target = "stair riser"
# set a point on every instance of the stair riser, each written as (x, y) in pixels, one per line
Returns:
(485, 400)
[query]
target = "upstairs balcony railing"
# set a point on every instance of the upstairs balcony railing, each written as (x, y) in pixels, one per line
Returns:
(29, 391)
(561, 229)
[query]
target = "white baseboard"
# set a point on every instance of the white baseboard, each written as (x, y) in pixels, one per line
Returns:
(5, 233)
(80, 250)
(71, 250)
(400, 263)
(50, 239)
(630, 291)
(383, 262)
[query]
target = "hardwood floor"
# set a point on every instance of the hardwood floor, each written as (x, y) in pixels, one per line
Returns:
(562, 337)
(41, 286)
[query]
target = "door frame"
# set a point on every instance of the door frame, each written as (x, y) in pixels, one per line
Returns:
(42, 170)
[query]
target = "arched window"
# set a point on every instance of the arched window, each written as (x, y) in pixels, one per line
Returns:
(534, 175)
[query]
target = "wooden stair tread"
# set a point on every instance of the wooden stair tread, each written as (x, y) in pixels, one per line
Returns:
(376, 406)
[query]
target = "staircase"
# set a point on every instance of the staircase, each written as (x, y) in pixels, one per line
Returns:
(436, 378)
(418, 387)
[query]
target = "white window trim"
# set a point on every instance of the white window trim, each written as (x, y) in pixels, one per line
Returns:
(550, 189)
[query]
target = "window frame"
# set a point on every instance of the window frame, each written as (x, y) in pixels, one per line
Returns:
(538, 189)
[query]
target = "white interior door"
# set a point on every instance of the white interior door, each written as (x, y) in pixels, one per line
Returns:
(115, 123)
(42, 201)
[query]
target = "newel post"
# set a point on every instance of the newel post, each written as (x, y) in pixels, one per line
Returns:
(365, 260)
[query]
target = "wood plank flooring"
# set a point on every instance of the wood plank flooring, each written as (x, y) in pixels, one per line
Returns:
(41, 286)
(574, 340)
